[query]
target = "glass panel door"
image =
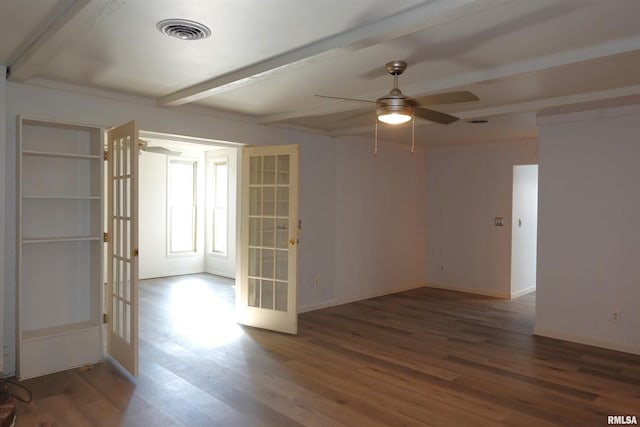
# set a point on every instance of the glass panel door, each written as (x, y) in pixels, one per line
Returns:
(122, 260)
(267, 289)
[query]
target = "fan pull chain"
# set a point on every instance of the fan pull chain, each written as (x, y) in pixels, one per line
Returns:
(413, 134)
(375, 144)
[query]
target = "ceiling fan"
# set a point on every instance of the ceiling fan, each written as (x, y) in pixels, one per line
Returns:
(144, 146)
(396, 107)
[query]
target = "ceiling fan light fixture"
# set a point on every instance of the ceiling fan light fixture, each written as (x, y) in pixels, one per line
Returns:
(394, 114)
(394, 118)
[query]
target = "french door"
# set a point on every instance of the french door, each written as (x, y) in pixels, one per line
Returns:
(122, 251)
(266, 295)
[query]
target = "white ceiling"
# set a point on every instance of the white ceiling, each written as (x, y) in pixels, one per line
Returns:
(266, 60)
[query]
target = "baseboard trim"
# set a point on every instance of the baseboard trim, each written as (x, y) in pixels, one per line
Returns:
(522, 292)
(469, 290)
(587, 341)
(342, 301)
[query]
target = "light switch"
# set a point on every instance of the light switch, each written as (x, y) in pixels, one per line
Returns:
(499, 221)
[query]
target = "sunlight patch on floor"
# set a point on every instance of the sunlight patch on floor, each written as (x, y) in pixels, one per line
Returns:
(201, 316)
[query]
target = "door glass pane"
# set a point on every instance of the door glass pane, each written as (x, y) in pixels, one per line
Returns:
(283, 169)
(282, 289)
(120, 318)
(127, 281)
(122, 205)
(282, 265)
(282, 233)
(114, 315)
(255, 200)
(267, 294)
(254, 262)
(120, 278)
(126, 247)
(126, 212)
(121, 242)
(127, 323)
(269, 165)
(126, 141)
(256, 170)
(283, 201)
(254, 231)
(268, 263)
(269, 201)
(254, 293)
(268, 232)
(114, 225)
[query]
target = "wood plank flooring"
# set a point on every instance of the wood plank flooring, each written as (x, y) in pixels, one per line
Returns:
(425, 357)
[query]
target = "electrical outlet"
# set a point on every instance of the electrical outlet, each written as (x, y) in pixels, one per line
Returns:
(441, 268)
(316, 281)
(615, 315)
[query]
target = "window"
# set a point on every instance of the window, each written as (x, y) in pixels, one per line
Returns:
(182, 206)
(220, 176)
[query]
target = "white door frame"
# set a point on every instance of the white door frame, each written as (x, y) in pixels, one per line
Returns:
(524, 228)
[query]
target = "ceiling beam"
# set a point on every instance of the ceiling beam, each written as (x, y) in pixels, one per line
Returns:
(68, 24)
(417, 18)
(531, 65)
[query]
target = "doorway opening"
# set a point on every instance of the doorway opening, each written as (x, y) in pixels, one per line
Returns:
(187, 243)
(187, 206)
(182, 188)
(524, 230)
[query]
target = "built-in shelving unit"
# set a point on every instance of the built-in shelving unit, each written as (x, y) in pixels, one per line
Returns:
(60, 246)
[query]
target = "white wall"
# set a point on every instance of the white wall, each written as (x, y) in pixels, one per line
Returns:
(379, 219)
(467, 187)
(153, 241)
(3, 183)
(524, 229)
(589, 228)
(376, 203)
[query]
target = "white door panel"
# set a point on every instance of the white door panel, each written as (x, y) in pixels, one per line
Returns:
(267, 288)
(122, 259)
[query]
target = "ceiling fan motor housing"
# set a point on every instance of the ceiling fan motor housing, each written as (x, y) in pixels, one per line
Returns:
(394, 102)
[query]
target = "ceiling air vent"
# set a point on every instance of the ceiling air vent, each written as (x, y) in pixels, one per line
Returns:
(183, 29)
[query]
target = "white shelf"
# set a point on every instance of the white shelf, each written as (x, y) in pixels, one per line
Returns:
(61, 239)
(70, 328)
(61, 197)
(60, 253)
(63, 155)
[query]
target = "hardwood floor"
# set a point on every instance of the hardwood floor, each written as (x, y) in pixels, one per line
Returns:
(425, 357)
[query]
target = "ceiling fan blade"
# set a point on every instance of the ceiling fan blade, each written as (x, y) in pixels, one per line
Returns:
(344, 99)
(357, 115)
(434, 116)
(444, 98)
(161, 150)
